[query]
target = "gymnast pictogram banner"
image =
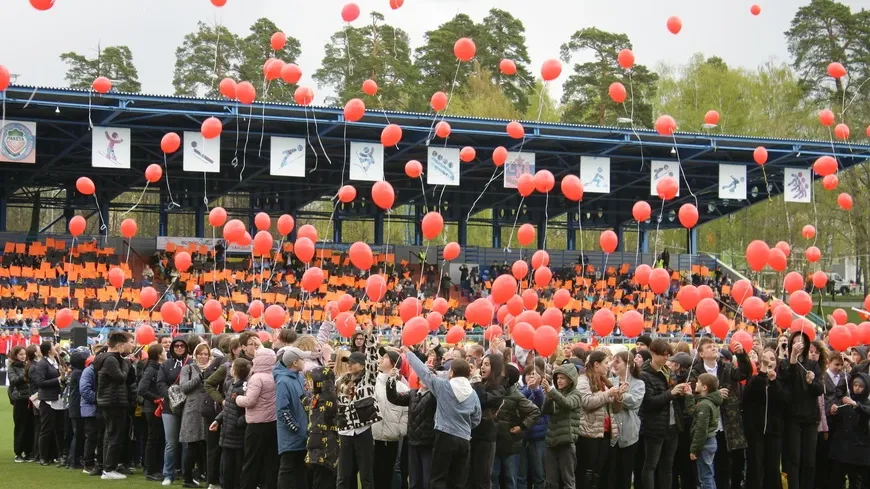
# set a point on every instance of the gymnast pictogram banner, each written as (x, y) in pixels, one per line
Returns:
(662, 169)
(732, 182)
(798, 186)
(595, 174)
(287, 157)
(366, 161)
(200, 154)
(110, 147)
(442, 166)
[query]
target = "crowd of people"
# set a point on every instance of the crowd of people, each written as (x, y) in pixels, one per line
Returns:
(303, 411)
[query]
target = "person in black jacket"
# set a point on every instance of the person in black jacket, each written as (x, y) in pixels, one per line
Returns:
(802, 380)
(48, 375)
(113, 400)
(147, 390)
(231, 424)
(834, 384)
(19, 396)
(659, 435)
(33, 357)
(77, 444)
(421, 405)
(170, 372)
(490, 392)
(322, 445)
(850, 440)
(764, 406)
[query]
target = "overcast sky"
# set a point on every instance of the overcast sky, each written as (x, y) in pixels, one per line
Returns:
(33, 40)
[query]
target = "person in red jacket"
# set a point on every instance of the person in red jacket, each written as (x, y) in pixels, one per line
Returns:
(18, 339)
(34, 337)
(5, 346)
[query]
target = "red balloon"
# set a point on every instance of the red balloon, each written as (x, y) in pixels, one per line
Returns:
(451, 251)
(516, 130)
(354, 110)
(666, 125)
(85, 186)
(820, 279)
(274, 316)
(415, 331)
(128, 228)
(307, 231)
(760, 155)
(182, 261)
(546, 341)
(840, 338)
(396, 4)
(845, 201)
(211, 128)
(515, 305)
(262, 221)
(345, 302)
(625, 58)
(742, 337)
(278, 41)
(467, 154)
(291, 74)
(102, 84)
(525, 184)
(800, 302)
(705, 291)
(218, 3)
(526, 234)
(170, 313)
(826, 117)
(145, 335)
(642, 274)
(803, 325)
(836, 70)
(711, 117)
(754, 309)
(383, 194)
(361, 255)
(552, 316)
(608, 241)
(706, 311)
(217, 217)
(840, 316)
(285, 224)
(544, 181)
(603, 322)
(304, 249)
(255, 310)
(641, 211)
(783, 316)
(77, 225)
(784, 247)
(42, 4)
(499, 156)
(689, 297)
(442, 130)
(755, 10)
(239, 321)
(841, 131)
(659, 280)
(530, 299)
(808, 231)
(523, 334)
(350, 12)
(439, 101)
(688, 215)
(409, 308)
(631, 324)
(454, 335)
(391, 135)
(561, 298)
(551, 69)
(863, 337)
(347, 193)
(464, 49)
(530, 317)
(507, 67)
(440, 305)
(825, 165)
(246, 93)
(830, 182)
(720, 327)
(777, 260)
(756, 255)
(370, 87)
(116, 277)
(503, 288)
(303, 95)
(434, 319)
(228, 88)
(147, 297)
(5, 78)
(540, 259)
(519, 269)
(617, 92)
(742, 290)
(272, 68)
(312, 279)
(64, 318)
(376, 288)
(572, 187)
(153, 173)
(667, 188)
(813, 254)
(543, 276)
(675, 25)
(793, 281)
(263, 243)
(413, 169)
(492, 332)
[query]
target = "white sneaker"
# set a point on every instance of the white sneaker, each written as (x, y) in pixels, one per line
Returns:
(167, 481)
(212, 486)
(113, 476)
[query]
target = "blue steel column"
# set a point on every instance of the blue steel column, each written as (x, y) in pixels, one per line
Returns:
(620, 237)
(692, 241)
(570, 232)
(3, 213)
(199, 220)
(379, 227)
(163, 217)
(418, 225)
(295, 216)
(542, 232)
(643, 236)
(462, 231)
(336, 229)
(496, 230)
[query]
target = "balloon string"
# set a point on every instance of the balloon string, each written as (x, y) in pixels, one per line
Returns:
(168, 188)
(683, 173)
(658, 223)
(631, 116)
(163, 297)
(344, 155)
(308, 140)
(328, 228)
(491, 179)
(235, 160)
(423, 191)
(516, 218)
(320, 141)
(90, 120)
(138, 201)
(263, 115)
(69, 285)
(274, 262)
(103, 226)
(637, 253)
(580, 226)
(546, 218)
(245, 149)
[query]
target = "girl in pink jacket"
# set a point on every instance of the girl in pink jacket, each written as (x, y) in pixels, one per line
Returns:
(260, 465)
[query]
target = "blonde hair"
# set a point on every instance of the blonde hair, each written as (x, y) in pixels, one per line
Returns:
(682, 347)
(306, 342)
(341, 367)
(199, 346)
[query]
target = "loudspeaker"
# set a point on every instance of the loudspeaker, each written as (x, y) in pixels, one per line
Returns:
(79, 336)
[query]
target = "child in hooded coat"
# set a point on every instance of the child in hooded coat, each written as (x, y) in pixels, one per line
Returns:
(850, 439)
(260, 466)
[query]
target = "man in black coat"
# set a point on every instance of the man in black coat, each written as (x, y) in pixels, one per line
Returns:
(113, 399)
(49, 376)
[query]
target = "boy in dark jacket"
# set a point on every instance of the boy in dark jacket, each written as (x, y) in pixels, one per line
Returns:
(421, 404)
(112, 370)
(705, 421)
(534, 446)
(77, 446)
(231, 423)
(516, 416)
(147, 390)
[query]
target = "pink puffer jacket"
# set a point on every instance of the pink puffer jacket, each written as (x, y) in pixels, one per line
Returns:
(259, 398)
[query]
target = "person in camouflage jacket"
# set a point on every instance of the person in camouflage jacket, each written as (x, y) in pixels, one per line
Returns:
(322, 427)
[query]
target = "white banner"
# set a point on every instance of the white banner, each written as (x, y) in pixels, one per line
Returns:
(287, 157)
(797, 185)
(200, 154)
(662, 169)
(595, 174)
(183, 242)
(110, 147)
(732, 182)
(366, 161)
(516, 165)
(442, 167)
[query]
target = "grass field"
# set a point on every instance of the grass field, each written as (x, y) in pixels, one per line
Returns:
(31, 475)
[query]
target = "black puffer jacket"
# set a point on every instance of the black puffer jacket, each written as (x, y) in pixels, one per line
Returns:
(803, 405)
(517, 411)
(421, 412)
(232, 417)
(170, 371)
(764, 406)
(19, 389)
(490, 400)
(112, 389)
(147, 388)
(45, 376)
(655, 410)
(77, 362)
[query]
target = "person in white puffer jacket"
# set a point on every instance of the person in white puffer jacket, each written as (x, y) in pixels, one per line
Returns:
(394, 425)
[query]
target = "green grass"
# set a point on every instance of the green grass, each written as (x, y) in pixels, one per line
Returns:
(31, 475)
